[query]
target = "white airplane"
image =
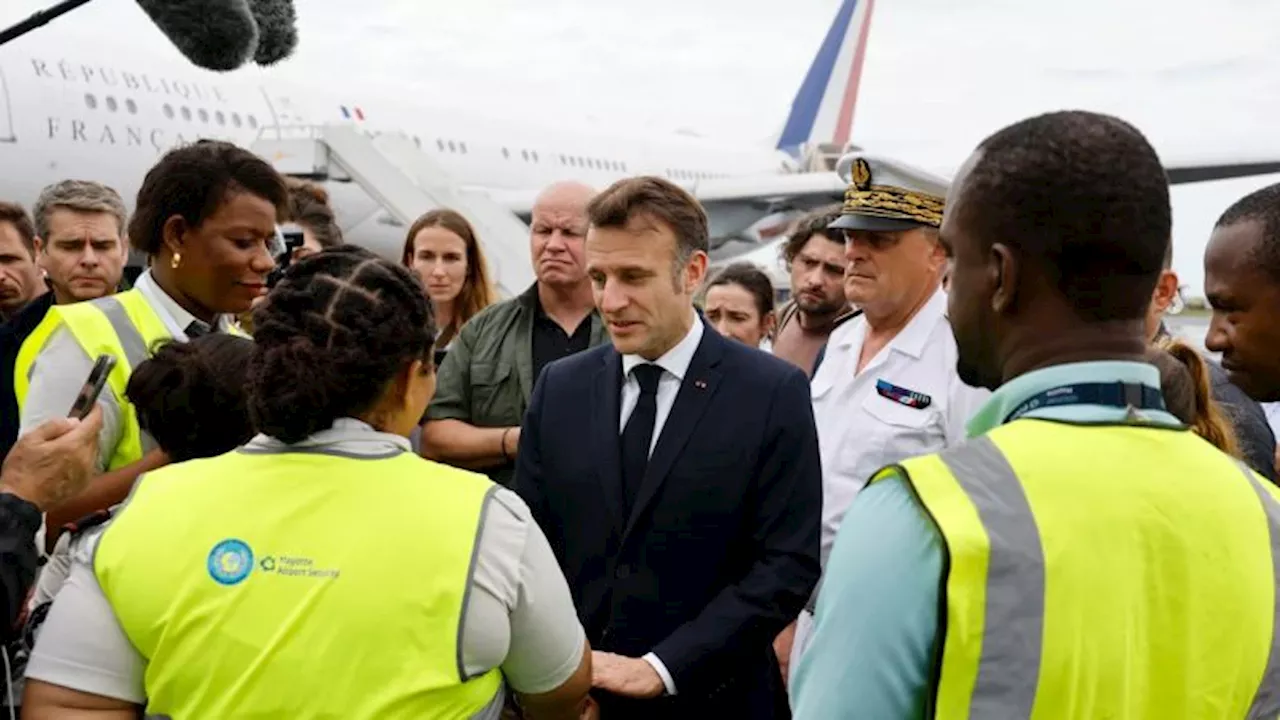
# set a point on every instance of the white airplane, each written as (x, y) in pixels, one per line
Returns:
(105, 111)
(93, 106)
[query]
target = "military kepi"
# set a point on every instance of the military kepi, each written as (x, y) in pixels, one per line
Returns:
(886, 195)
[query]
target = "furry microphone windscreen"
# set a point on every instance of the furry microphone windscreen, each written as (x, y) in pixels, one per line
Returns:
(214, 34)
(277, 33)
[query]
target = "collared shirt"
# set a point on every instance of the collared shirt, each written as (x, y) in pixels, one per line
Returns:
(487, 377)
(518, 613)
(61, 367)
(551, 342)
(675, 365)
(872, 652)
(860, 430)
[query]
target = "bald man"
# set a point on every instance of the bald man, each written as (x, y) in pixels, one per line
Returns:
(487, 377)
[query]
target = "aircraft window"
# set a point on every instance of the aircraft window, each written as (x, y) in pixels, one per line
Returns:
(186, 113)
(168, 111)
(235, 119)
(440, 144)
(204, 115)
(463, 147)
(253, 122)
(220, 118)
(535, 156)
(417, 141)
(111, 104)
(452, 147)
(506, 154)
(91, 101)
(132, 106)
(525, 155)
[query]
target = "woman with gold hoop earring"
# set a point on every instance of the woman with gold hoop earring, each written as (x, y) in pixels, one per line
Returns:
(205, 217)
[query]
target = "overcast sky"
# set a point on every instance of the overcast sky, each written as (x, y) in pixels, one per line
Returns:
(1202, 79)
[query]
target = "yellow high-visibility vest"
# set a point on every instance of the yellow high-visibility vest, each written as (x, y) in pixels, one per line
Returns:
(1102, 571)
(123, 325)
(300, 584)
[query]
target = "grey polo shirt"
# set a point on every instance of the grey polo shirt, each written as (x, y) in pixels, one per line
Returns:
(518, 615)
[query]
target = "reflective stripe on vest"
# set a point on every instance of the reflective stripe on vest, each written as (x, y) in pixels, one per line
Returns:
(122, 325)
(1103, 571)
(300, 584)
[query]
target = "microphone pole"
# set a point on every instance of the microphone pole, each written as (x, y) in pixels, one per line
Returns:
(41, 18)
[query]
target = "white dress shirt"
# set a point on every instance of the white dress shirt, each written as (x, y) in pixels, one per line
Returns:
(675, 365)
(860, 430)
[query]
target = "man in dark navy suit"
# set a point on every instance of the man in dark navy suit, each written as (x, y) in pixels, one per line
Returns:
(677, 477)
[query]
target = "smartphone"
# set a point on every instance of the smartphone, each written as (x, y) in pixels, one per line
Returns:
(92, 386)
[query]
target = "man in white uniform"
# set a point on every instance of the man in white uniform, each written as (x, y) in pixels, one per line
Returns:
(887, 388)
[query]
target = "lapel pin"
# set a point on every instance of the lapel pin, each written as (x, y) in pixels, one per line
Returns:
(700, 384)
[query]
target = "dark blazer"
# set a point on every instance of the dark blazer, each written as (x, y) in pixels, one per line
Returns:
(12, 335)
(719, 553)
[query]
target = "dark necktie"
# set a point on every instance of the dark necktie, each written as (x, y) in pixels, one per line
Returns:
(638, 434)
(196, 329)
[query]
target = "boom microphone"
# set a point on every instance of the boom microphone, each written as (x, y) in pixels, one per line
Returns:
(277, 36)
(214, 34)
(223, 34)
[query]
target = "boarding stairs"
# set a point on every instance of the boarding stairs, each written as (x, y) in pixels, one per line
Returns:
(395, 172)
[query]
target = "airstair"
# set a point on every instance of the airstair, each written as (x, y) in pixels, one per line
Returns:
(395, 172)
(822, 157)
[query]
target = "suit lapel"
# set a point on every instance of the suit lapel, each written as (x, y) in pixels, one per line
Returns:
(692, 400)
(606, 392)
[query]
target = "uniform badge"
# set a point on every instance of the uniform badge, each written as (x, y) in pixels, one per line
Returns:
(903, 396)
(861, 174)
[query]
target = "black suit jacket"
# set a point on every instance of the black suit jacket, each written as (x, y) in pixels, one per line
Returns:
(720, 551)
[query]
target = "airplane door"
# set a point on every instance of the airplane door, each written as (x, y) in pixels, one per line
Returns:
(6, 111)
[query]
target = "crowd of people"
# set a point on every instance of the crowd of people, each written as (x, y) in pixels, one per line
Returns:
(963, 471)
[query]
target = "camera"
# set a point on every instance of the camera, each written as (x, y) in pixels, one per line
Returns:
(288, 238)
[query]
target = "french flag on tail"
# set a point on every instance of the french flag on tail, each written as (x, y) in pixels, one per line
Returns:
(822, 111)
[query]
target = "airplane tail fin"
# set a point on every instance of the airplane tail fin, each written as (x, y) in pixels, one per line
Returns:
(822, 111)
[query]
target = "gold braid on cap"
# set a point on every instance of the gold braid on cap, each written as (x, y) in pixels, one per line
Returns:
(886, 201)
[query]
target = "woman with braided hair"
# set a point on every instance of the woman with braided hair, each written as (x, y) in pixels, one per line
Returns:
(323, 569)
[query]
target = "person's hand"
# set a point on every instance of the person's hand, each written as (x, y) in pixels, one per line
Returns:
(628, 677)
(53, 462)
(590, 709)
(782, 647)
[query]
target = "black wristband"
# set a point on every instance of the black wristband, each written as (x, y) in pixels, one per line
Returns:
(25, 514)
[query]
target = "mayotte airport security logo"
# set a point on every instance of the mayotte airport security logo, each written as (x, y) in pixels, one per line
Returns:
(230, 561)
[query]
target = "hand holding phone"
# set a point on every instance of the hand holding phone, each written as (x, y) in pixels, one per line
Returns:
(93, 385)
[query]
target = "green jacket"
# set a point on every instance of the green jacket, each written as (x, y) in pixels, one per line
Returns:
(487, 375)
